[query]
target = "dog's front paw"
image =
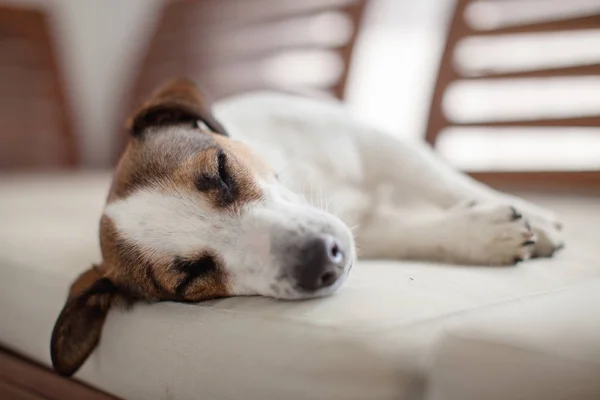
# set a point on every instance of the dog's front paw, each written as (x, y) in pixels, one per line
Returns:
(549, 236)
(545, 225)
(495, 235)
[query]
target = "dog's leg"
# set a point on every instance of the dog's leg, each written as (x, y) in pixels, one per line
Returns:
(473, 234)
(418, 175)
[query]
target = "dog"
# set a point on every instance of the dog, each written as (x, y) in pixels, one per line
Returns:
(270, 203)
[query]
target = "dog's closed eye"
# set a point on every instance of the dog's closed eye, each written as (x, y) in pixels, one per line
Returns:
(222, 168)
(217, 177)
(220, 180)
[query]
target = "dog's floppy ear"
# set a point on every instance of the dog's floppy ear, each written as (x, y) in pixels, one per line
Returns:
(78, 327)
(177, 101)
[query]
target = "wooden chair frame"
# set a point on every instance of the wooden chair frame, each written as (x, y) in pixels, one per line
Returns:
(448, 74)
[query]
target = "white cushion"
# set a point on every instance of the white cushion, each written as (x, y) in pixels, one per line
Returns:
(373, 339)
(544, 347)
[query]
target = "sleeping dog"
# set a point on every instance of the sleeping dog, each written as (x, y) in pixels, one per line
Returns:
(271, 203)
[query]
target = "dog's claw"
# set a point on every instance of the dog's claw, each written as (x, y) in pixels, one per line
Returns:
(515, 214)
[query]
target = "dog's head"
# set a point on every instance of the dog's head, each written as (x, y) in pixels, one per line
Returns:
(194, 215)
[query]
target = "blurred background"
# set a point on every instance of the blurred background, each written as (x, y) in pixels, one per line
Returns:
(508, 90)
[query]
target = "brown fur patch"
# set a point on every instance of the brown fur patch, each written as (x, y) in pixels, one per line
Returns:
(176, 160)
(203, 172)
(85, 281)
(79, 326)
(155, 160)
(247, 157)
(154, 277)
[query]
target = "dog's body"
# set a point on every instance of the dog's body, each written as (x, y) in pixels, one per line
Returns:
(400, 199)
(262, 205)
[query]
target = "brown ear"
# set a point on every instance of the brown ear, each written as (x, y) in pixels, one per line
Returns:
(79, 325)
(177, 101)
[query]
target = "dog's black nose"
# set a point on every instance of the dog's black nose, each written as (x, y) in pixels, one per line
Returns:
(321, 264)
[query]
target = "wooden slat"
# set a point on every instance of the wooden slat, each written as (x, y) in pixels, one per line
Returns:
(574, 24)
(220, 45)
(559, 122)
(239, 14)
(577, 70)
(579, 182)
(34, 379)
(217, 58)
(356, 11)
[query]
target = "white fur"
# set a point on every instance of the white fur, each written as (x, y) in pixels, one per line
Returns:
(396, 192)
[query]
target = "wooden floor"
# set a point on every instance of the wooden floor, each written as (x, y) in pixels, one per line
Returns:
(23, 380)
